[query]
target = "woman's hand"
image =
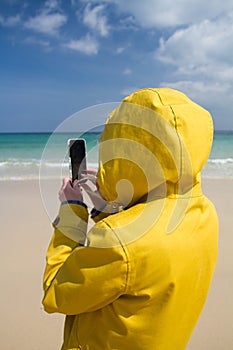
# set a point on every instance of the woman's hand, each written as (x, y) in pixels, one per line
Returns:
(94, 194)
(70, 191)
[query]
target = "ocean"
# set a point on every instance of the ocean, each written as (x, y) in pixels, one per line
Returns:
(44, 155)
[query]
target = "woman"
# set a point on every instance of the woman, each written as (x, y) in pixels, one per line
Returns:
(138, 279)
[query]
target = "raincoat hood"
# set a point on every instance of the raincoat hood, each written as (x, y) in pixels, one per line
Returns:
(156, 136)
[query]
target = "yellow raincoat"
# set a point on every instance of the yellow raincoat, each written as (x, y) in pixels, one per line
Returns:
(142, 280)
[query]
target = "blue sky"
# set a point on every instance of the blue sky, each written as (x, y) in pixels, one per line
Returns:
(60, 56)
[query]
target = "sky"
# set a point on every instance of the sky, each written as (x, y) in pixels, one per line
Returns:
(61, 56)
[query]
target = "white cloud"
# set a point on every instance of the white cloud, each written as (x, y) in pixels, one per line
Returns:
(46, 23)
(51, 5)
(198, 88)
(95, 19)
(202, 49)
(49, 20)
(86, 45)
(119, 50)
(35, 41)
(10, 21)
(127, 71)
(215, 97)
(169, 13)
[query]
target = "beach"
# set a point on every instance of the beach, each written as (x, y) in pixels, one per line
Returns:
(25, 233)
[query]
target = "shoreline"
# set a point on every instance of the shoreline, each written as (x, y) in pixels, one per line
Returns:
(25, 234)
(37, 178)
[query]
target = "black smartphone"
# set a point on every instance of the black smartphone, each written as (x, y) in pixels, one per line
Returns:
(77, 157)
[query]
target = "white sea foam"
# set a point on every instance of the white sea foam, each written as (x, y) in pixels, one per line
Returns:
(218, 169)
(220, 161)
(21, 169)
(3, 164)
(56, 165)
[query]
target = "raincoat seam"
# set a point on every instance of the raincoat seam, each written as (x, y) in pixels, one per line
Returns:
(181, 151)
(160, 98)
(158, 95)
(126, 255)
(180, 197)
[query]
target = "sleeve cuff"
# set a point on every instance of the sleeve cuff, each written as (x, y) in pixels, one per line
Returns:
(72, 201)
(72, 221)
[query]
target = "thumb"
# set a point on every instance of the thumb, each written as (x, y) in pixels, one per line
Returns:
(65, 181)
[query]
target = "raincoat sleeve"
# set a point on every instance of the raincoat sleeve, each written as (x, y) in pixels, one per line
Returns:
(80, 279)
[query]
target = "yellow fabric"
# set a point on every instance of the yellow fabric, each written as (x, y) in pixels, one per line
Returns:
(142, 281)
(173, 134)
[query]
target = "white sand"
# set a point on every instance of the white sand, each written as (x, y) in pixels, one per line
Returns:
(25, 234)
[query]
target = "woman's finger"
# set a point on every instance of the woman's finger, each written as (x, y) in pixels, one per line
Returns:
(75, 184)
(65, 182)
(91, 171)
(85, 177)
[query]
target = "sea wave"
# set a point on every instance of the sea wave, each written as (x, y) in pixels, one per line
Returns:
(21, 169)
(220, 161)
(38, 163)
(19, 162)
(220, 168)
(32, 169)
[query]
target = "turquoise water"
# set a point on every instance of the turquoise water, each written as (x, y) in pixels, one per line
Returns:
(220, 162)
(30, 155)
